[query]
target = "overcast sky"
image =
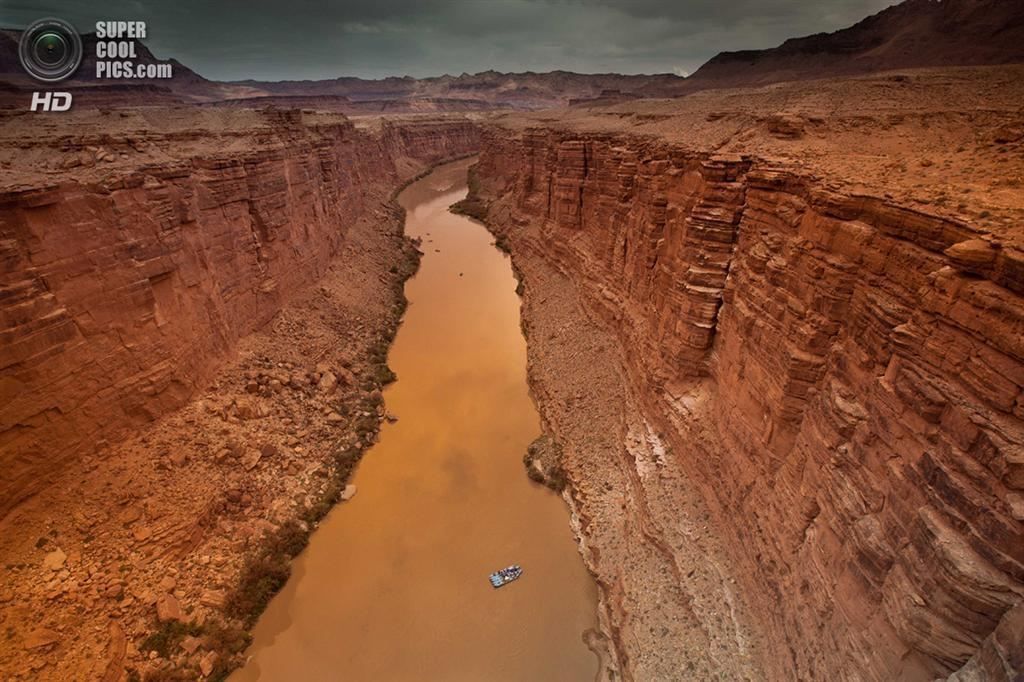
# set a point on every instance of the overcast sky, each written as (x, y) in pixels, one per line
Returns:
(286, 39)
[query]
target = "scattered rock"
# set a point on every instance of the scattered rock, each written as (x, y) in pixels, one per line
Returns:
(250, 459)
(55, 560)
(348, 493)
(247, 408)
(40, 637)
(191, 644)
(207, 663)
(142, 533)
(212, 598)
(168, 608)
(328, 382)
(130, 515)
(1015, 501)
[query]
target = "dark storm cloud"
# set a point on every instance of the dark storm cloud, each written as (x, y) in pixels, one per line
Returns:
(278, 39)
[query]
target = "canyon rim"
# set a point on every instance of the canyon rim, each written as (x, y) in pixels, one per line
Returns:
(774, 323)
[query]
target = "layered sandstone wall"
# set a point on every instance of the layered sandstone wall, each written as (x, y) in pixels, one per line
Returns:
(120, 292)
(862, 365)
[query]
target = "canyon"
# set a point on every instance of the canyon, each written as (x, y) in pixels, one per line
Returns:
(774, 333)
(196, 324)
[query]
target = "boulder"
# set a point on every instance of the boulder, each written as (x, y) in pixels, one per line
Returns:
(168, 608)
(55, 560)
(328, 382)
(972, 253)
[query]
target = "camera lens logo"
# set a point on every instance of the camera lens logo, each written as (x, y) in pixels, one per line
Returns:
(50, 50)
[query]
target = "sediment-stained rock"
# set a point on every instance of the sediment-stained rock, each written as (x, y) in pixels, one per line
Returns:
(861, 365)
(121, 291)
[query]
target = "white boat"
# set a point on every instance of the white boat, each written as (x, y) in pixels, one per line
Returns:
(505, 575)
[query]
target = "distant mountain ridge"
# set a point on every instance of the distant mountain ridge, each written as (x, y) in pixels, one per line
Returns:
(911, 34)
(485, 90)
(527, 89)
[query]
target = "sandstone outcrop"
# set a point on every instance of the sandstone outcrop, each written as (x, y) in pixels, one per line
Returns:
(123, 287)
(840, 374)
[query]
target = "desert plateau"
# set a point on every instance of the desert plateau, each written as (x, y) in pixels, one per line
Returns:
(731, 362)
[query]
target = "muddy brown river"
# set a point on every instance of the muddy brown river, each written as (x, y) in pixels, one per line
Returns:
(393, 585)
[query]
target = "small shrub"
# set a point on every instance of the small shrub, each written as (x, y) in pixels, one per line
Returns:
(384, 375)
(222, 638)
(170, 675)
(290, 539)
(261, 579)
(549, 453)
(557, 479)
(165, 639)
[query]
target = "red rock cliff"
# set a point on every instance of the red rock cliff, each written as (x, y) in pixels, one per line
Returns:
(861, 367)
(120, 292)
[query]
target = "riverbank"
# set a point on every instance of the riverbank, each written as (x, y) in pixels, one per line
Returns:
(155, 555)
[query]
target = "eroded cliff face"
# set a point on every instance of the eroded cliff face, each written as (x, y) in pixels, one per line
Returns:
(840, 375)
(122, 290)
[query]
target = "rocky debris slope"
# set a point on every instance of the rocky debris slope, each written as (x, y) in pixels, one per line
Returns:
(840, 374)
(135, 265)
(668, 608)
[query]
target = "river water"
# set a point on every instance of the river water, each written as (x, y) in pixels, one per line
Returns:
(393, 585)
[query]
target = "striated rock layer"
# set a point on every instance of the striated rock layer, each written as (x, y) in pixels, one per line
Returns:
(842, 377)
(121, 290)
